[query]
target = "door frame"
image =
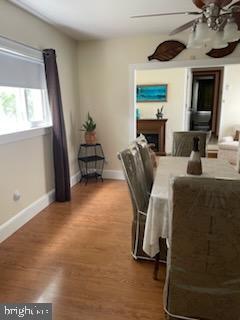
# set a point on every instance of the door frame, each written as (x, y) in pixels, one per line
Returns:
(188, 100)
(218, 73)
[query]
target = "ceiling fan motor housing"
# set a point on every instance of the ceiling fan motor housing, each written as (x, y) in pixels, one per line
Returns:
(212, 12)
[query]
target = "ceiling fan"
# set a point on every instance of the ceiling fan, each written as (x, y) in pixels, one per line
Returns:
(217, 20)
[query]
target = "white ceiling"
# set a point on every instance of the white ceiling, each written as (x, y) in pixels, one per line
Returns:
(99, 19)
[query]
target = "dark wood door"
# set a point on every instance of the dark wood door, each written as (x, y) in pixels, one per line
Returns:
(209, 88)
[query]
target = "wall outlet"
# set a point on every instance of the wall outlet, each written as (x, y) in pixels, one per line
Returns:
(16, 195)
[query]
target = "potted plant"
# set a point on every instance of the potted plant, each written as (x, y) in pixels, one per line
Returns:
(89, 127)
(159, 113)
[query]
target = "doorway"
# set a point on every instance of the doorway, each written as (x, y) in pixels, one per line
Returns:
(190, 65)
(206, 100)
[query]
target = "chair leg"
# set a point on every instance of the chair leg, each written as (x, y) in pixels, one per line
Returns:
(157, 263)
(156, 266)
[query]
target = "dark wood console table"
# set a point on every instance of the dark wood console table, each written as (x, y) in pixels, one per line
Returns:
(154, 130)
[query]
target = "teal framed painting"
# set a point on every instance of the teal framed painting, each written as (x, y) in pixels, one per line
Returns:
(152, 93)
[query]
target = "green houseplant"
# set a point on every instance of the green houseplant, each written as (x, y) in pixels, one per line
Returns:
(89, 127)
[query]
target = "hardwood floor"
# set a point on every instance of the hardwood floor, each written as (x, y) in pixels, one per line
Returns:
(77, 256)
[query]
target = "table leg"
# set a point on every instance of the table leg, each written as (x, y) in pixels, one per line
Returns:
(156, 266)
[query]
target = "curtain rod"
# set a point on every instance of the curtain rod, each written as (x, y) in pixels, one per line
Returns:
(20, 43)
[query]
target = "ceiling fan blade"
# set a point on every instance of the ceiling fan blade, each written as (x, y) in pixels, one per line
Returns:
(199, 3)
(237, 19)
(236, 6)
(167, 14)
(183, 27)
(235, 12)
(220, 3)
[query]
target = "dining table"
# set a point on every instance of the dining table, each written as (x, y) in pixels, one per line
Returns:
(157, 221)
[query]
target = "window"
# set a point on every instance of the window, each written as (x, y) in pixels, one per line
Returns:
(23, 94)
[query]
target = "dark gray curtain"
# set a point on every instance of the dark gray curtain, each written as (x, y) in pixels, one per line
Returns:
(60, 153)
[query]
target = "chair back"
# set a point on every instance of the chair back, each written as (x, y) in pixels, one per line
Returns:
(203, 268)
(147, 161)
(134, 174)
(141, 139)
(147, 165)
(183, 143)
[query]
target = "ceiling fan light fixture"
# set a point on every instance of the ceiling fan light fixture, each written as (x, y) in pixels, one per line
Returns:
(231, 32)
(191, 40)
(219, 42)
(216, 25)
(192, 43)
(202, 32)
(211, 34)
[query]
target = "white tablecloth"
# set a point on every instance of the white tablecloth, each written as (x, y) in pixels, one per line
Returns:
(158, 209)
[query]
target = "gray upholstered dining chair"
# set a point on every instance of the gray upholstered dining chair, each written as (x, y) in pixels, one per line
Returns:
(203, 268)
(183, 142)
(145, 154)
(134, 174)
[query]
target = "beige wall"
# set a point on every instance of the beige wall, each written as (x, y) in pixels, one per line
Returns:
(230, 114)
(104, 84)
(27, 165)
(102, 68)
(173, 107)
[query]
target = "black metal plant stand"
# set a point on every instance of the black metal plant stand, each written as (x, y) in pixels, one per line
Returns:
(91, 161)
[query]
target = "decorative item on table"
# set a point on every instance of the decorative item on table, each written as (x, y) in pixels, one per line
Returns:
(159, 113)
(138, 114)
(194, 163)
(89, 127)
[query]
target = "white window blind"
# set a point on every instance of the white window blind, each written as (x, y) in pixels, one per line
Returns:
(23, 92)
(21, 72)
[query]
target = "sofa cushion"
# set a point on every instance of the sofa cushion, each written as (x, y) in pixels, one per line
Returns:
(232, 145)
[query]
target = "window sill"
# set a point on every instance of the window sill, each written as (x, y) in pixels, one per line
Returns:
(24, 134)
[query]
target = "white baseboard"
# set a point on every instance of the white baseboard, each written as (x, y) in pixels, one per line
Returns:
(75, 179)
(16, 222)
(113, 174)
(107, 174)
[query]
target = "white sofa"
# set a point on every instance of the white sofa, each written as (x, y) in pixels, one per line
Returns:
(228, 149)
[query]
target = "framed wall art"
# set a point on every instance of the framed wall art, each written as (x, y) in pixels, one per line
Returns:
(152, 93)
